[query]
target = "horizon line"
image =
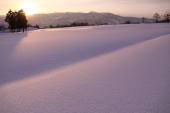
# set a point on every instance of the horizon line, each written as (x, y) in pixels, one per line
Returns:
(83, 12)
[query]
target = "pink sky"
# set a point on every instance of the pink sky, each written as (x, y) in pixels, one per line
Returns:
(137, 8)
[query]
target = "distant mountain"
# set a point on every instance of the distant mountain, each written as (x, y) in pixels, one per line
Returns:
(92, 18)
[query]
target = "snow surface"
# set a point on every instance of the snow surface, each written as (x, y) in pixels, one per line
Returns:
(104, 69)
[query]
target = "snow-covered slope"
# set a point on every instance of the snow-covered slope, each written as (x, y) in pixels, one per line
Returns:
(106, 69)
(92, 18)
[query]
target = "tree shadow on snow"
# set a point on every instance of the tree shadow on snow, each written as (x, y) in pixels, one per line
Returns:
(12, 40)
(81, 52)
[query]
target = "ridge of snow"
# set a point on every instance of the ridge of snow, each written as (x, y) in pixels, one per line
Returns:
(133, 79)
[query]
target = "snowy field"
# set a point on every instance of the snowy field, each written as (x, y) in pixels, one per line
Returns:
(102, 69)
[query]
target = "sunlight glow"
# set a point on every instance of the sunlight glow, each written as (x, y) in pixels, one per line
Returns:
(29, 7)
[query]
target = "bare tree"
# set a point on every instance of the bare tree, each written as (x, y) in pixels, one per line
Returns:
(167, 16)
(157, 17)
(143, 19)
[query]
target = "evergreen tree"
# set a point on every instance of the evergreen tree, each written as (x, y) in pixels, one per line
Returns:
(16, 20)
(10, 19)
(21, 20)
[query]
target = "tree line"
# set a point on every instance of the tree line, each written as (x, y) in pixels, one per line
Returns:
(162, 18)
(16, 20)
(74, 24)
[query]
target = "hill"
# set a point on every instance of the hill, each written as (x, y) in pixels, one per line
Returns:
(92, 18)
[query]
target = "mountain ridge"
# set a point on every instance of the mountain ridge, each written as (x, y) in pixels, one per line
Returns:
(67, 18)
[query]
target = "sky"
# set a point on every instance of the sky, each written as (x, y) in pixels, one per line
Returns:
(136, 8)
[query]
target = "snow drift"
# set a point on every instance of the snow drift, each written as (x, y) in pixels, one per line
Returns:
(106, 69)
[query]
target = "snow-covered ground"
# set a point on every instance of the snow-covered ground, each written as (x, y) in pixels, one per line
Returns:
(103, 69)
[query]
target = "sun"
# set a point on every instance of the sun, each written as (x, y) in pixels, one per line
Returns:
(29, 7)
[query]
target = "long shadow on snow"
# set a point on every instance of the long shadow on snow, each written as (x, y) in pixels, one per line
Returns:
(11, 39)
(70, 57)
